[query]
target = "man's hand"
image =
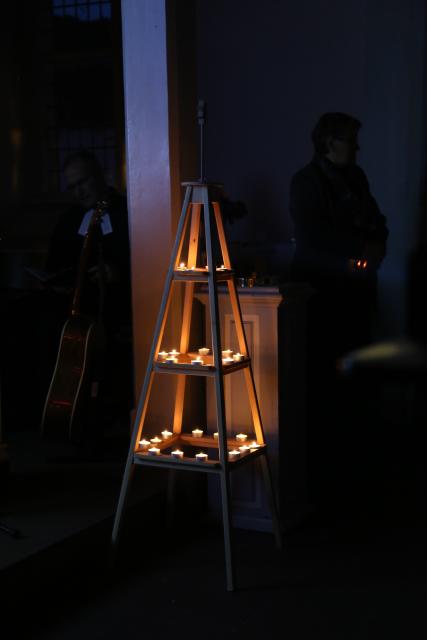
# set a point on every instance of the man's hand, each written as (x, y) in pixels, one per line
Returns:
(374, 253)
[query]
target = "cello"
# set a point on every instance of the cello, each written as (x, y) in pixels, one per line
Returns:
(75, 380)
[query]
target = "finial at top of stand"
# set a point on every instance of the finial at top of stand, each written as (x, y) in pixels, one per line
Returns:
(202, 180)
(201, 116)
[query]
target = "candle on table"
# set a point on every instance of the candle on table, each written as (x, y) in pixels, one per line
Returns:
(238, 356)
(227, 360)
(197, 360)
(197, 433)
(166, 434)
(227, 353)
(177, 454)
(154, 451)
(221, 268)
(204, 351)
(253, 446)
(172, 360)
(174, 353)
(234, 454)
(245, 448)
(144, 444)
(162, 355)
(241, 437)
(155, 440)
(201, 457)
(215, 435)
(182, 267)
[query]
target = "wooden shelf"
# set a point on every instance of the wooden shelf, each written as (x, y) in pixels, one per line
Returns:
(202, 275)
(184, 366)
(168, 461)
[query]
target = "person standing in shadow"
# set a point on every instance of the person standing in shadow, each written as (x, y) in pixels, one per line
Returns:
(341, 239)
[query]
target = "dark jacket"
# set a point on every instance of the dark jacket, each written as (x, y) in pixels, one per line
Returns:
(65, 250)
(335, 216)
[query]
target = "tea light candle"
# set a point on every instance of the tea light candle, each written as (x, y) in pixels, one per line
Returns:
(182, 267)
(154, 451)
(177, 454)
(238, 356)
(221, 268)
(227, 360)
(197, 433)
(215, 435)
(174, 353)
(166, 434)
(204, 351)
(227, 353)
(241, 437)
(245, 448)
(253, 446)
(144, 444)
(201, 457)
(234, 454)
(155, 440)
(162, 355)
(197, 360)
(171, 360)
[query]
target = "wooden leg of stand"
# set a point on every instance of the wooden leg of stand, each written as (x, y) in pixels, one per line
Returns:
(226, 520)
(118, 518)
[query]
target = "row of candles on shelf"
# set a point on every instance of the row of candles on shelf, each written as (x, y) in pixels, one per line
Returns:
(171, 357)
(150, 446)
(183, 267)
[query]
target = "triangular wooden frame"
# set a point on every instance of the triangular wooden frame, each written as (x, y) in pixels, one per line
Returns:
(200, 196)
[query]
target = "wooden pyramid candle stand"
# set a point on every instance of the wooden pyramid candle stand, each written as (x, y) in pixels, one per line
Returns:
(167, 450)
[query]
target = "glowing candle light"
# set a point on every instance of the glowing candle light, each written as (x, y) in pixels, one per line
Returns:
(182, 267)
(201, 457)
(245, 448)
(197, 433)
(227, 360)
(215, 435)
(144, 444)
(172, 360)
(234, 454)
(221, 268)
(241, 437)
(227, 353)
(197, 361)
(166, 434)
(204, 351)
(177, 454)
(238, 356)
(254, 446)
(154, 451)
(162, 355)
(174, 353)
(155, 440)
